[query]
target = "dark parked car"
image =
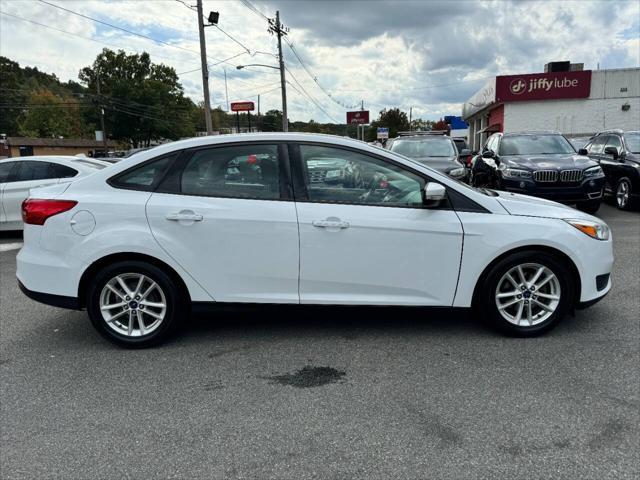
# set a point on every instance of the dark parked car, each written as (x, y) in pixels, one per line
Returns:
(545, 164)
(437, 151)
(618, 153)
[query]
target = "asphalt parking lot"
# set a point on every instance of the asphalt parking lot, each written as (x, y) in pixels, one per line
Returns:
(388, 393)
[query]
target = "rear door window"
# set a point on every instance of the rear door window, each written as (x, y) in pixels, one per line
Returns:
(239, 171)
(31, 170)
(5, 171)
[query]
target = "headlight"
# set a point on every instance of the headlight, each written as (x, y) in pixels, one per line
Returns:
(593, 172)
(458, 172)
(597, 230)
(515, 173)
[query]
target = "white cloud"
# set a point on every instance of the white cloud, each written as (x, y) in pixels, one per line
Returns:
(429, 55)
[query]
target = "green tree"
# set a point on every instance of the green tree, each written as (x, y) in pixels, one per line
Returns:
(394, 119)
(272, 121)
(143, 101)
(50, 115)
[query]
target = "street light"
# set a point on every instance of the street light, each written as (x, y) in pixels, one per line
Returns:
(240, 67)
(285, 121)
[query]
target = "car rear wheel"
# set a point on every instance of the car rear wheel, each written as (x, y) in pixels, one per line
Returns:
(623, 194)
(592, 206)
(135, 304)
(526, 294)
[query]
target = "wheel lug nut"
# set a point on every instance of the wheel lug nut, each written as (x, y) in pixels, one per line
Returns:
(141, 307)
(533, 287)
(523, 287)
(127, 297)
(137, 297)
(519, 296)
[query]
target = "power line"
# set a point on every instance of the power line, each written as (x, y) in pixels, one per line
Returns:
(315, 78)
(248, 4)
(76, 35)
(130, 32)
(309, 96)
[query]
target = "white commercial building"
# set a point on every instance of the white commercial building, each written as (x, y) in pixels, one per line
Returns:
(573, 102)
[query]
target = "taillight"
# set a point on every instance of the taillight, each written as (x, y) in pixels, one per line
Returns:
(35, 211)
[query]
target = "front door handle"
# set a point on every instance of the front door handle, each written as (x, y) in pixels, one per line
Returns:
(185, 216)
(330, 223)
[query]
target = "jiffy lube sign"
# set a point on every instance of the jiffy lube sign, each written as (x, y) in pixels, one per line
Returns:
(543, 86)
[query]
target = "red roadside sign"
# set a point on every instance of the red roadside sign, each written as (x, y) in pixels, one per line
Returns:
(242, 106)
(543, 86)
(361, 116)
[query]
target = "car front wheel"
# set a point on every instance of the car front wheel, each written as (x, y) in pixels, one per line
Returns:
(135, 304)
(527, 293)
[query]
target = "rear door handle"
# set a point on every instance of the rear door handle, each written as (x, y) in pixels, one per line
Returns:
(331, 224)
(192, 217)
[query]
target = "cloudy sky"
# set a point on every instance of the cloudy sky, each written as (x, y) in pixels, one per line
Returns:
(429, 55)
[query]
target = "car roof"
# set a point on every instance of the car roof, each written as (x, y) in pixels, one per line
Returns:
(531, 132)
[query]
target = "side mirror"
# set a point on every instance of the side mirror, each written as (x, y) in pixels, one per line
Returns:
(488, 154)
(434, 193)
(583, 151)
(611, 151)
(465, 152)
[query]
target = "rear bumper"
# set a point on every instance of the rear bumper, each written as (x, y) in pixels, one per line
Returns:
(50, 299)
(565, 193)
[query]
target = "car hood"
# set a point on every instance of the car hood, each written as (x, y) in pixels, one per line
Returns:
(441, 164)
(524, 205)
(547, 162)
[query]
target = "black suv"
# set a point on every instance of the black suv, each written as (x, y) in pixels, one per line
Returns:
(545, 164)
(618, 153)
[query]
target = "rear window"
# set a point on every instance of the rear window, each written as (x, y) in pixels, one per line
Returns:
(90, 164)
(144, 177)
(62, 171)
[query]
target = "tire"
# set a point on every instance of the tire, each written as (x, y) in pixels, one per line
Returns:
(123, 327)
(592, 206)
(623, 193)
(496, 282)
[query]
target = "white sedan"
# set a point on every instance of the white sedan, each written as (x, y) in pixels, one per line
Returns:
(19, 175)
(291, 218)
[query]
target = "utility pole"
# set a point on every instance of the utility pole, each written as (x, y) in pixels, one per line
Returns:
(205, 70)
(226, 90)
(104, 132)
(258, 121)
(410, 114)
(277, 28)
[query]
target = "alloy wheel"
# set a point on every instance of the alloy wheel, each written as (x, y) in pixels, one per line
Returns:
(132, 304)
(528, 294)
(622, 194)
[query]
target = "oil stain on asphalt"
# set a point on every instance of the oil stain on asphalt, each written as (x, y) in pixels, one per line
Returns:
(308, 377)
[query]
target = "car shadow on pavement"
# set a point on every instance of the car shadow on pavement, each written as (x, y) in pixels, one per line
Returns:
(347, 322)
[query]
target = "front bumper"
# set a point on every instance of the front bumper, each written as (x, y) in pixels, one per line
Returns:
(587, 190)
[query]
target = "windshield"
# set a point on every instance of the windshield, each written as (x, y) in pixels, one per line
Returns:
(534, 145)
(632, 139)
(432, 147)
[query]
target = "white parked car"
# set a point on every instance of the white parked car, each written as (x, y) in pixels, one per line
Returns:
(290, 218)
(19, 175)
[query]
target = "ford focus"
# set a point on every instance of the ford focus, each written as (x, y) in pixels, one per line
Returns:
(300, 219)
